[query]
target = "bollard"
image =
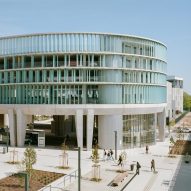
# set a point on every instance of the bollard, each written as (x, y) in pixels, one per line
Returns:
(4, 150)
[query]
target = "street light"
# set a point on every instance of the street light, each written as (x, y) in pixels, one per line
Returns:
(115, 145)
(79, 170)
(26, 176)
(7, 139)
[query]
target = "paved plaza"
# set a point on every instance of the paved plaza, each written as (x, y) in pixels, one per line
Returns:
(48, 159)
(167, 169)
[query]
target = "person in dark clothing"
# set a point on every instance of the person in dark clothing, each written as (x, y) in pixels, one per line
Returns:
(104, 155)
(138, 166)
(147, 149)
(94, 141)
(111, 154)
(108, 155)
(153, 165)
(120, 160)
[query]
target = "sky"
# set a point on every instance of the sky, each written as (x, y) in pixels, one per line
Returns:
(168, 21)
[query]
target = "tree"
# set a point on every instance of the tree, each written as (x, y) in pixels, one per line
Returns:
(64, 156)
(171, 124)
(13, 157)
(29, 160)
(95, 166)
(172, 140)
(186, 101)
(95, 154)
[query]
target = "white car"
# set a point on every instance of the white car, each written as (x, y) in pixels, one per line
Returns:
(186, 130)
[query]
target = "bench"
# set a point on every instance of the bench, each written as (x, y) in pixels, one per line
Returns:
(119, 178)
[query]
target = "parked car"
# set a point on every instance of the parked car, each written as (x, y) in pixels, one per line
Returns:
(186, 130)
(2, 130)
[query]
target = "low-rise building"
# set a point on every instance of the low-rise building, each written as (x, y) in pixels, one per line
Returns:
(174, 96)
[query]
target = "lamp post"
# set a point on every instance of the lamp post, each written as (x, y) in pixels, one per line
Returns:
(26, 176)
(79, 170)
(115, 145)
(7, 140)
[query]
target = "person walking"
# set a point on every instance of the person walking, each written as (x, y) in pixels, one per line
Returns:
(108, 155)
(153, 165)
(111, 154)
(120, 160)
(147, 149)
(104, 154)
(138, 166)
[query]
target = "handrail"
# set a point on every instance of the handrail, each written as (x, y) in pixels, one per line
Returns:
(62, 184)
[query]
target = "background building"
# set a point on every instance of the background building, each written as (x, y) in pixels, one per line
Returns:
(174, 96)
(89, 82)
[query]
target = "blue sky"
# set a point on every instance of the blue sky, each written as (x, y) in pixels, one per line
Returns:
(168, 21)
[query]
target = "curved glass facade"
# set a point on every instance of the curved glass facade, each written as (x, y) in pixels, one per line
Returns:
(82, 68)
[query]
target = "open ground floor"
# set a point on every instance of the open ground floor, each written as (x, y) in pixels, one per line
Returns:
(109, 126)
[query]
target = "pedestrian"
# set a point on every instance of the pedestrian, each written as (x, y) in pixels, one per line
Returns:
(108, 155)
(104, 154)
(120, 160)
(147, 149)
(94, 141)
(153, 165)
(111, 154)
(138, 166)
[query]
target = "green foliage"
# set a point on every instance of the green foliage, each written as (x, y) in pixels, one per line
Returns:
(172, 140)
(186, 101)
(172, 123)
(29, 159)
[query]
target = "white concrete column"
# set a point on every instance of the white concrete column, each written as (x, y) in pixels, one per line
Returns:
(155, 125)
(79, 127)
(90, 123)
(21, 128)
(12, 127)
(6, 120)
(162, 125)
(107, 124)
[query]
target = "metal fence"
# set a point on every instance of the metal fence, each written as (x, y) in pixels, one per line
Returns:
(63, 182)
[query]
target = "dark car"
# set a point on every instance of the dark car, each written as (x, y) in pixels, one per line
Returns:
(2, 130)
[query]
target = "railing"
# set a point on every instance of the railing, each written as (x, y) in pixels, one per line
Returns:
(63, 182)
(52, 188)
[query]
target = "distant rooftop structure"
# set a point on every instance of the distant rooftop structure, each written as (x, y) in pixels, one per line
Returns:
(172, 78)
(174, 96)
(177, 82)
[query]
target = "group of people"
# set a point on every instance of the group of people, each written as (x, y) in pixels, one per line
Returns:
(108, 155)
(138, 166)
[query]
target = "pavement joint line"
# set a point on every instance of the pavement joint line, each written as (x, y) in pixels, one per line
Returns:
(151, 182)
